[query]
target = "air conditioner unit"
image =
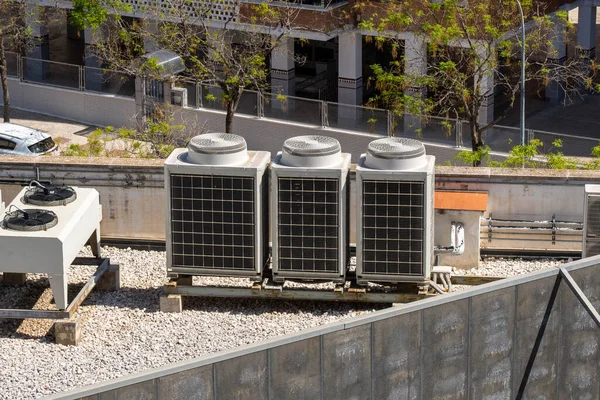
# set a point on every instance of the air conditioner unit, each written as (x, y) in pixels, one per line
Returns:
(217, 197)
(179, 97)
(591, 221)
(309, 203)
(394, 212)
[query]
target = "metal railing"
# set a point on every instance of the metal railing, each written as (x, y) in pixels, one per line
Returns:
(69, 76)
(326, 114)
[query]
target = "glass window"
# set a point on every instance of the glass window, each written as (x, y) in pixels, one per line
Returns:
(42, 146)
(7, 144)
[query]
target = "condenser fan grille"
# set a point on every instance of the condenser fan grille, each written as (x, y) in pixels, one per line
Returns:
(592, 248)
(30, 220)
(593, 216)
(309, 224)
(213, 222)
(49, 196)
(392, 227)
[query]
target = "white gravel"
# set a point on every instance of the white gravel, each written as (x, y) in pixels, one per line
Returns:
(124, 332)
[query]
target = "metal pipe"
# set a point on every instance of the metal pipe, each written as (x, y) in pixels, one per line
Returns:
(522, 125)
(457, 235)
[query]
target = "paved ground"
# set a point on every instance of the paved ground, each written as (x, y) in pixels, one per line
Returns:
(65, 131)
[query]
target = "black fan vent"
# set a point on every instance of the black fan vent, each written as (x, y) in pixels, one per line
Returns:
(30, 220)
(309, 224)
(392, 227)
(49, 195)
(213, 222)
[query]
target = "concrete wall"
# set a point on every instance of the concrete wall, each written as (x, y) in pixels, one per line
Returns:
(86, 107)
(527, 335)
(471, 223)
(133, 198)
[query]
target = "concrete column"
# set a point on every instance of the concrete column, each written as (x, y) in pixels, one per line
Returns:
(486, 88)
(586, 31)
(150, 43)
(94, 78)
(554, 90)
(586, 35)
(415, 66)
(36, 70)
(283, 74)
(350, 85)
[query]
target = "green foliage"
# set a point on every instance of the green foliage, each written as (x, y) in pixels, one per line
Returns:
(523, 155)
(479, 157)
(157, 140)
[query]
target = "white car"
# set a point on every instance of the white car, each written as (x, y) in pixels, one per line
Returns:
(21, 140)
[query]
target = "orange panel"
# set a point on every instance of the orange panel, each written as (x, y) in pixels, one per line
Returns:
(466, 201)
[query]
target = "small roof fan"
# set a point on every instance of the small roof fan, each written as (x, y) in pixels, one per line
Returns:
(29, 220)
(49, 195)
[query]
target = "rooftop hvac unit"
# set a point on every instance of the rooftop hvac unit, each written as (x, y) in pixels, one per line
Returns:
(217, 201)
(310, 210)
(591, 221)
(394, 212)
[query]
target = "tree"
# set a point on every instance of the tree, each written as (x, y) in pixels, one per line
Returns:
(473, 50)
(233, 60)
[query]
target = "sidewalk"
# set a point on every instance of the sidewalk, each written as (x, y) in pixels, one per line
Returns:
(68, 131)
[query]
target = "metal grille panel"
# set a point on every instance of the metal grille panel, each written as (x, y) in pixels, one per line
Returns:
(392, 227)
(213, 222)
(309, 224)
(593, 216)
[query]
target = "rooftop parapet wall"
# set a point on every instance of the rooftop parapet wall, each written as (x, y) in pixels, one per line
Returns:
(523, 337)
(133, 197)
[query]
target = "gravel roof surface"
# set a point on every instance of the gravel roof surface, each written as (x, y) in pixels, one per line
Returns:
(124, 332)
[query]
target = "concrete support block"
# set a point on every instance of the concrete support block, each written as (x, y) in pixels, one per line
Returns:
(111, 280)
(14, 279)
(68, 333)
(171, 303)
(185, 280)
(555, 92)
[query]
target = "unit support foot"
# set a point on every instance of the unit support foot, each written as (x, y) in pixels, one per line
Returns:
(111, 279)
(14, 279)
(68, 332)
(171, 303)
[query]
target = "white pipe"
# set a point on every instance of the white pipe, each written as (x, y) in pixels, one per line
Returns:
(459, 238)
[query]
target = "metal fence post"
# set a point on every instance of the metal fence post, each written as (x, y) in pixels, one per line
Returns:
(81, 78)
(198, 88)
(390, 123)
(19, 67)
(324, 116)
(260, 105)
(459, 133)
(530, 135)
